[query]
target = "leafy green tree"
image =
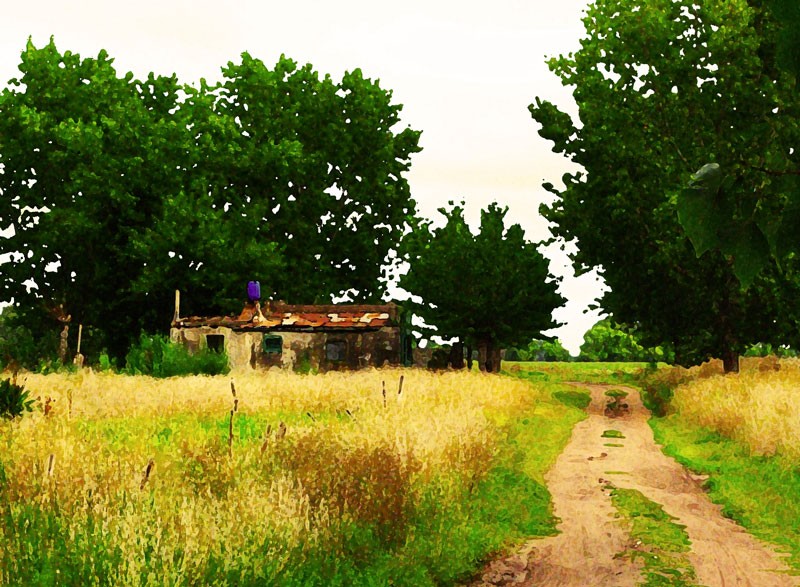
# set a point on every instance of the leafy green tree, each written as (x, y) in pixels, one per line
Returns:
(543, 350)
(23, 346)
(608, 341)
(787, 12)
(754, 227)
(294, 179)
(489, 290)
(662, 86)
(118, 191)
(87, 158)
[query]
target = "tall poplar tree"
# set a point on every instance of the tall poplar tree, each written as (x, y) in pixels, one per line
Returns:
(663, 87)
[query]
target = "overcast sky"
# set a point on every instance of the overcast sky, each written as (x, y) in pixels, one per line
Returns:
(465, 72)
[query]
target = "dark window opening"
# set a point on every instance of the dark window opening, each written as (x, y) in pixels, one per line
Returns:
(215, 342)
(272, 344)
(336, 350)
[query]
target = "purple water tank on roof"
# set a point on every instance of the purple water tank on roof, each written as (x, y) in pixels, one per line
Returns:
(253, 290)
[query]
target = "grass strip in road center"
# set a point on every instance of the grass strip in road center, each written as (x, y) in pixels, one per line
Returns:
(656, 540)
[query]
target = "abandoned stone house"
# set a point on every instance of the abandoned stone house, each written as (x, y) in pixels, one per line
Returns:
(321, 337)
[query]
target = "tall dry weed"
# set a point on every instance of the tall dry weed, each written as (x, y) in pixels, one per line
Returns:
(221, 488)
(759, 406)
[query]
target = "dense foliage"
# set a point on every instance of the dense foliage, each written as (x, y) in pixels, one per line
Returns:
(489, 290)
(539, 350)
(116, 191)
(754, 227)
(20, 347)
(661, 88)
(157, 356)
(606, 341)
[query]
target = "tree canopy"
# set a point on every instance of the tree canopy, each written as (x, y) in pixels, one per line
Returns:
(754, 227)
(663, 87)
(116, 191)
(491, 289)
(604, 341)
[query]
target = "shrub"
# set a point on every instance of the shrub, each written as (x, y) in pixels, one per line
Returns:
(13, 400)
(105, 362)
(50, 366)
(513, 354)
(157, 356)
(545, 350)
(23, 345)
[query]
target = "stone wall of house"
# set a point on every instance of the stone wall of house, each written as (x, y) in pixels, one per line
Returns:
(238, 345)
(322, 351)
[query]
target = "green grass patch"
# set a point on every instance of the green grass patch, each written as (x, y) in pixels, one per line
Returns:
(576, 399)
(660, 543)
(616, 394)
(555, 372)
(540, 437)
(613, 444)
(759, 492)
(612, 434)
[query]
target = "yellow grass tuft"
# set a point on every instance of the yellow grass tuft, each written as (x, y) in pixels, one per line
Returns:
(759, 406)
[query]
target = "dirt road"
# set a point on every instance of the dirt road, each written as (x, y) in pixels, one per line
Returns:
(583, 554)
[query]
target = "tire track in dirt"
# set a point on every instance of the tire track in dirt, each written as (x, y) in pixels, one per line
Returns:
(583, 554)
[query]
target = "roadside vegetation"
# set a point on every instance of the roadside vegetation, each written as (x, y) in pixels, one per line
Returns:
(740, 431)
(336, 479)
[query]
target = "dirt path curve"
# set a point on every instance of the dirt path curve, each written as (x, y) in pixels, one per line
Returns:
(582, 554)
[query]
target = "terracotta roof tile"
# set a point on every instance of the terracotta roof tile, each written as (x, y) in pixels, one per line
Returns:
(323, 317)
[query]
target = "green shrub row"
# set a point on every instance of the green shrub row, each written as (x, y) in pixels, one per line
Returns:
(157, 356)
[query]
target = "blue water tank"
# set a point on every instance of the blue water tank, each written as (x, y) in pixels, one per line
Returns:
(253, 290)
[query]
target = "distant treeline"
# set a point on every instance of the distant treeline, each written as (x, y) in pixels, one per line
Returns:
(609, 341)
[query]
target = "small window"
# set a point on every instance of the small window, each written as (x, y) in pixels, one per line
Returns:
(215, 342)
(336, 350)
(272, 344)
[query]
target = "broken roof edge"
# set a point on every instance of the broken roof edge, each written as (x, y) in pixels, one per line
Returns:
(301, 317)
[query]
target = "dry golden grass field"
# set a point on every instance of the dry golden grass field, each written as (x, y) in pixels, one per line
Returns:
(759, 407)
(298, 479)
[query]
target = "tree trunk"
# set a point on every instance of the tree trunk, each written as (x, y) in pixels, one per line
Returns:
(457, 355)
(730, 357)
(730, 361)
(489, 356)
(494, 361)
(482, 354)
(469, 357)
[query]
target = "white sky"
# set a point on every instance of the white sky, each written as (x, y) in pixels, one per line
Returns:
(465, 72)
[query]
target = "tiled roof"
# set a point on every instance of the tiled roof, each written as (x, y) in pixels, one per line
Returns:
(305, 317)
